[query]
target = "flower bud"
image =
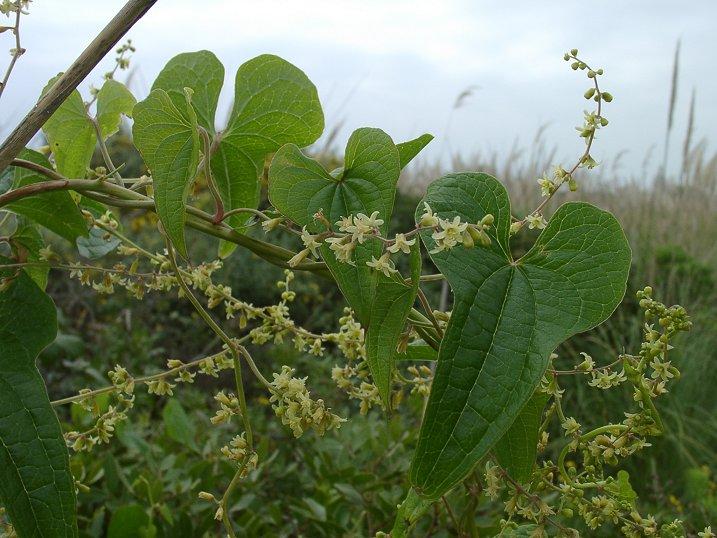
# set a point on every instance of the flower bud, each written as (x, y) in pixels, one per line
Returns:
(271, 224)
(296, 260)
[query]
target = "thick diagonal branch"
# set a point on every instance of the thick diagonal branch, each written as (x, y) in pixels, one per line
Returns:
(132, 11)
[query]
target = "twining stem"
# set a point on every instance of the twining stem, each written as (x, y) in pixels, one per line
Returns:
(114, 195)
(429, 312)
(231, 344)
(16, 53)
(104, 151)
(207, 168)
(138, 380)
(583, 156)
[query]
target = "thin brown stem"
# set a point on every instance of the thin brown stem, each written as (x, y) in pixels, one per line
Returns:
(19, 51)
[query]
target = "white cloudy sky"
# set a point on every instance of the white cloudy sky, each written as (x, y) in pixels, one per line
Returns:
(399, 64)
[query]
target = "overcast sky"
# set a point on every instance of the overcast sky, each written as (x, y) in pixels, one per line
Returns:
(399, 64)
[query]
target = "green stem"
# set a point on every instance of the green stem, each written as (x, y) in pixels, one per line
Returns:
(206, 165)
(145, 379)
(105, 153)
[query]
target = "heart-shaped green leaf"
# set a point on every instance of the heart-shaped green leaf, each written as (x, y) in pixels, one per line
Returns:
(275, 103)
(55, 210)
(168, 140)
(36, 485)
(516, 450)
(299, 187)
(203, 73)
(508, 316)
(70, 134)
(113, 101)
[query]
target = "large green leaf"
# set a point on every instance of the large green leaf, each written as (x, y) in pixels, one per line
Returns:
(71, 136)
(203, 73)
(508, 316)
(516, 449)
(274, 104)
(168, 139)
(300, 186)
(113, 101)
(55, 210)
(36, 486)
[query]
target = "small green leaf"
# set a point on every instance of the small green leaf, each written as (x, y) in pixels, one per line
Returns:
(391, 304)
(418, 350)
(96, 244)
(55, 210)
(203, 73)
(516, 449)
(274, 104)
(622, 489)
(129, 521)
(168, 140)
(509, 315)
(409, 512)
(409, 149)
(71, 136)
(178, 424)
(318, 511)
(299, 187)
(36, 485)
(26, 243)
(113, 101)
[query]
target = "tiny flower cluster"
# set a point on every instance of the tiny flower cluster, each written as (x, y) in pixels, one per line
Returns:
(237, 452)
(448, 233)
(292, 403)
(357, 229)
